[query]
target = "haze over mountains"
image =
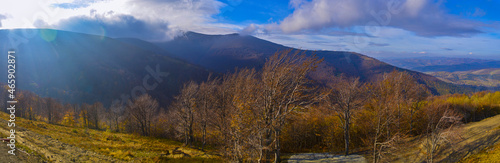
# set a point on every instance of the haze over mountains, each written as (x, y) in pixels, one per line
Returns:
(77, 67)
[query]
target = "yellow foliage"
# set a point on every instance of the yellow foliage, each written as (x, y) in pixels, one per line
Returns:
(69, 119)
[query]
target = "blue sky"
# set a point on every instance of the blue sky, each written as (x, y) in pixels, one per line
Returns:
(378, 28)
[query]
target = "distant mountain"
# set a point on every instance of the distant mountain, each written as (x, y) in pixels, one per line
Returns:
(75, 67)
(436, 64)
(222, 53)
(484, 77)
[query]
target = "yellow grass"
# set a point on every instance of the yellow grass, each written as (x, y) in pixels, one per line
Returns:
(491, 154)
(124, 147)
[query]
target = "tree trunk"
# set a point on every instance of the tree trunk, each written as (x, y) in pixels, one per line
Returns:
(411, 122)
(277, 154)
(267, 145)
(346, 132)
(204, 137)
(375, 140)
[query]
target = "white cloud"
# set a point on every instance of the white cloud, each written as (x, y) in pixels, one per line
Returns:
(415, 6)
(180, 15)
(423, 17)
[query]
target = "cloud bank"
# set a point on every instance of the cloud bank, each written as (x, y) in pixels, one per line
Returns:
(115, 25)
(423, 17)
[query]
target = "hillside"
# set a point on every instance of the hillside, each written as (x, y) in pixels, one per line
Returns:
(75, 67)
(474, 138)
(47, 142)
(483, 77)
(223, 53)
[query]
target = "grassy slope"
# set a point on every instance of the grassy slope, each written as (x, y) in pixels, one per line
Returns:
(118, 146)
(490, 154)
(474, 138)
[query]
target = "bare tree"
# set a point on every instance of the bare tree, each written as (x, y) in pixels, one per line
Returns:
(94, 114)
(184, 110)
(383, 103)
(245, 118)
(440, 132)
(115, 114)
(346, 95)
(142, 112)
(51, 104)
(205, 99)
(223, 105)
(394, 99)
(285, 87)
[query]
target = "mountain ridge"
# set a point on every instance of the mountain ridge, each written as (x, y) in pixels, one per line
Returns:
(249, 51)
(76, 67)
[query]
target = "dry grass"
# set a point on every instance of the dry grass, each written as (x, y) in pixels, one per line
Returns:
(480, 142)
(125, 147)
(491, 154)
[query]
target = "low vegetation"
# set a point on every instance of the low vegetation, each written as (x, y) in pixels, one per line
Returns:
(124, 147)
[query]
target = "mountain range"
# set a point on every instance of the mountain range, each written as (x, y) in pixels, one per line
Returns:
(76, 67)
(437, 64)
(484, 77)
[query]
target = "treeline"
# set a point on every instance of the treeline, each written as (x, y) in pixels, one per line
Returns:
(254, 115)
(141, 117)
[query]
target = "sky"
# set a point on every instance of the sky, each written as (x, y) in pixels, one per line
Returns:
(377, 28)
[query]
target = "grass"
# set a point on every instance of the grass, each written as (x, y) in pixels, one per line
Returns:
(125, 147)
(478, 142)
(491, 154)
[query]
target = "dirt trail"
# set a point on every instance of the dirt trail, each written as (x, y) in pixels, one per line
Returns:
(52, 149)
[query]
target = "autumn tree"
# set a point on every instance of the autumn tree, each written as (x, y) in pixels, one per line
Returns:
(393, 100)
(223, 107)
(246, 127)
(345, 96)
(94, 114)
(285, 87)
(84, 115)
(115, 115)
(54, 110)
(142, 112)
(184, 110)
(205, 100)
